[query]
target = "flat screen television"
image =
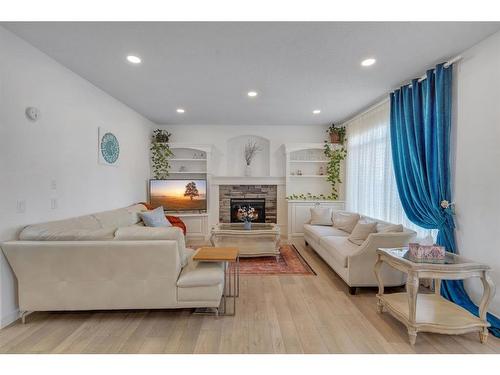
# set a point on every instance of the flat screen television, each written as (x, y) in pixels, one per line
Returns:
(179, 194)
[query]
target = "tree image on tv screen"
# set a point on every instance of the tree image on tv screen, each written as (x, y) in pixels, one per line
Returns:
(191, 190)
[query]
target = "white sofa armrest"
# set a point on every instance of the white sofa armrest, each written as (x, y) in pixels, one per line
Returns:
(361, 263)
(378, 240)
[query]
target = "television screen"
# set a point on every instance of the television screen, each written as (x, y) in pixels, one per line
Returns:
(178, 195)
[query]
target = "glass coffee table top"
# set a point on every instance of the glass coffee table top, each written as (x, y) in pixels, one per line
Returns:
(404, 253)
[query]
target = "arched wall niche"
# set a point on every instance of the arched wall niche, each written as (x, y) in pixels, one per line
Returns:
(236, 156)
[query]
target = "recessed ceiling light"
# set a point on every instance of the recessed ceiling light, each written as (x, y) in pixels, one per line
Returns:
(316, 111)
(180, 110)
(252, 94)
(368, 62)
(134, 59)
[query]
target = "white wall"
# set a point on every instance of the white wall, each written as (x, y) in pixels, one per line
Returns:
(60, 147)
(477, 159)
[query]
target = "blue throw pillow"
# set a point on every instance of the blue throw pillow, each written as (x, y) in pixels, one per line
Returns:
(155, 218)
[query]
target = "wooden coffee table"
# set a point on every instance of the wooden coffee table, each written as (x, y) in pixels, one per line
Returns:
(226, 255)
(431, 312)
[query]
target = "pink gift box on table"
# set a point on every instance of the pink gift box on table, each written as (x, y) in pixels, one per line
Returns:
(426, 252)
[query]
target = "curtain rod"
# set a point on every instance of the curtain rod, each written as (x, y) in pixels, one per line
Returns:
(379, 103)
(446, 64)
(365, 111)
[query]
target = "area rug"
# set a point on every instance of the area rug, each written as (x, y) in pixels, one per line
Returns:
(289, 262)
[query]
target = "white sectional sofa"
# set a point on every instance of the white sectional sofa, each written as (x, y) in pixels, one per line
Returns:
(109, 260)
(354, 263)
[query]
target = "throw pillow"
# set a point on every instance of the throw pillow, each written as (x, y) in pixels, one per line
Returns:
(390, 228)
(155, 218)
(321, 216)
(361, 231)
(345, 221)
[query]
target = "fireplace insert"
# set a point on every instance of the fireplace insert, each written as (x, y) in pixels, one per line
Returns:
(259, 204)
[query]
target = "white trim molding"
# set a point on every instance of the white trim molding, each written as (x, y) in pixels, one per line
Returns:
(242, 180)
(9, 318)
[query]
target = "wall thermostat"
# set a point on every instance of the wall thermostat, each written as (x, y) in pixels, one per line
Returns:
(32, 113)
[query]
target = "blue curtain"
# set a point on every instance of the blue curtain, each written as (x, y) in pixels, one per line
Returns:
(420, 140)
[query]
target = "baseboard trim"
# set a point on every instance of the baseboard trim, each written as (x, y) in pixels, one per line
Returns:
(10, 318)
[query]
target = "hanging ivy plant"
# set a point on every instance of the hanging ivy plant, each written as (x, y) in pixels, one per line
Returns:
(335, 157)
(160, 153)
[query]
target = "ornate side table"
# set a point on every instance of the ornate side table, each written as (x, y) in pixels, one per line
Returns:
(431, 312)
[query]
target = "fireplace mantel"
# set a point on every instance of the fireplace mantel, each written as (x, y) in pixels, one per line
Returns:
(243, 180)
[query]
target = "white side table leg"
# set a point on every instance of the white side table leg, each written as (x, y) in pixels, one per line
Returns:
(488, 293)
(412, 291)
(378, 265)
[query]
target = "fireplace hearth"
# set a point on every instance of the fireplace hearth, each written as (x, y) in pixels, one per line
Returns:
(258, 204)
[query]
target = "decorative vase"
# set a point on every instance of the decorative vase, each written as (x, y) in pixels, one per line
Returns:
(247, 225)
(248, 170)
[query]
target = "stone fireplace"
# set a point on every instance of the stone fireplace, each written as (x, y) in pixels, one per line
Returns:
(261, 197)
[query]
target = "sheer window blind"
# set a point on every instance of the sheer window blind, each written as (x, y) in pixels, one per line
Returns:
(370, 183)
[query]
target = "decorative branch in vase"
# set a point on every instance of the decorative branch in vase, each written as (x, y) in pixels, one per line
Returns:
(251, 150)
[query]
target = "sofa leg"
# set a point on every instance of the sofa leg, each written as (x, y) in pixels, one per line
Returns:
(24, 314)
(352, 290)
(306, 243)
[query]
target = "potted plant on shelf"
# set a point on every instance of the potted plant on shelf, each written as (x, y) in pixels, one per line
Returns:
(335, 155)
(160, 153)
(247, 215)
(336, 133)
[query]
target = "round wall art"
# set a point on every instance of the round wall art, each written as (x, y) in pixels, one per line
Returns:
(109, 148)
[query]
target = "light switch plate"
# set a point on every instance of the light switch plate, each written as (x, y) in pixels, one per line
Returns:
(53, 203)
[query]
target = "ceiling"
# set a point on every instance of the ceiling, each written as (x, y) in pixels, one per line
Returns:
(208, 68)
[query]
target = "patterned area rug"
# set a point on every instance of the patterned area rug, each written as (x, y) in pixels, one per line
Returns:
(289, 262)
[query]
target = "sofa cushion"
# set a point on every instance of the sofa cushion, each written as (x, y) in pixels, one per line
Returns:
(46, 231)
(138, 233)
(321, 216)
(389, 228)
(155, 218)
(361, 231)
(345, 221)
(120, 217)
(318, 231)
(208, 296)
(197, 274)
(69, 235)
(340, 248)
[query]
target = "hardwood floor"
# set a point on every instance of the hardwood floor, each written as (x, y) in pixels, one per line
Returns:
(275, 314)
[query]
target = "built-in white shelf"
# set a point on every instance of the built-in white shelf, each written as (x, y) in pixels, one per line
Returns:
(306, 168)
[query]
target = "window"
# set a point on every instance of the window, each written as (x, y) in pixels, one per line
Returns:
(370, 182)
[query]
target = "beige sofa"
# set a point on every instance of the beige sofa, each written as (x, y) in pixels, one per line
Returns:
(109, 260)
(354, 263)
